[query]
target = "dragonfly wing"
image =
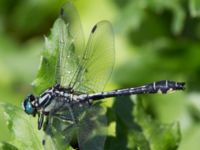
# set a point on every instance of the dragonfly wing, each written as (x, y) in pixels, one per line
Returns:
(78, 122)
(88, 124)
(60, 134)
(92, 129)
(98, 59)
(70, 15)
(60, 127)
(63, 49)
(71, 45)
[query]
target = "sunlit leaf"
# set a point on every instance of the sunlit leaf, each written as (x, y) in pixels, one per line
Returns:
(159, 136)
(46, 76)
(22, 128)
(194, 6)
(7, 146)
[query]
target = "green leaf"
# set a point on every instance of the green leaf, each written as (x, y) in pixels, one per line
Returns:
(178, 19)
(47, 73)
(128, 134)
(194, 6)
(22, 128)
(137, 140)
(159, 136)
(7, 146)
(136, 13)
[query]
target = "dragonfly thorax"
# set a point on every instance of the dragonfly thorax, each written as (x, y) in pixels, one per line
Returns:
(50, 99)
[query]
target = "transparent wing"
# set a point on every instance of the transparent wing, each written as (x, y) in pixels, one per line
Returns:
(63, 50)
(71, 44)
(70, 15)
(92, 129)
(82, 123)
(85, 69)
(61, 127)
(98, 59)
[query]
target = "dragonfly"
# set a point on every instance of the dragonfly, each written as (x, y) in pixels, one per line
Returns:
(82, 71)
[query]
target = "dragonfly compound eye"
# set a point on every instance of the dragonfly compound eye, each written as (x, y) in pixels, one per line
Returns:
(28, 107)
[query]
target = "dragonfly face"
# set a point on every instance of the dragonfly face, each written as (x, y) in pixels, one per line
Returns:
(28, 106)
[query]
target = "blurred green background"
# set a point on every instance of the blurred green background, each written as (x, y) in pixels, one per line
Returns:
(154, 40)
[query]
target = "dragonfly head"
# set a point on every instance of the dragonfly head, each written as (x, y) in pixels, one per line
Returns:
(28, 106)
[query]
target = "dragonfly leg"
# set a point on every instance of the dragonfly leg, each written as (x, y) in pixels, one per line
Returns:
(47, 128)
(40, 120)
(64, 118)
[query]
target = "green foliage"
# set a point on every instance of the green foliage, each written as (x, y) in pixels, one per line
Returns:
(155, 40)
(136, 129)
(194, 8)
(7, 146)
(46, 76)
(159, 136)
(133, 125)
(24, 134)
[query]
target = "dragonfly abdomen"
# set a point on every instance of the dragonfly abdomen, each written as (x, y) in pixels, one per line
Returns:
(63, 96)
(163, 86)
